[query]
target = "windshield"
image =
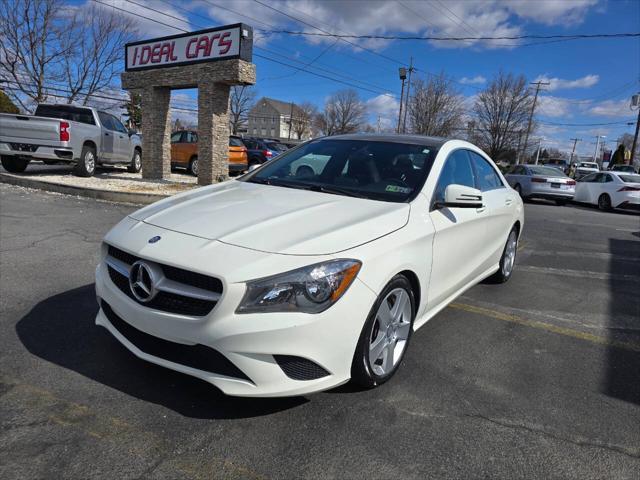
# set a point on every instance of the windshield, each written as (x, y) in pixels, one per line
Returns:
(551, 172)
(624, 168)
(589, 165)
(630, 178)
(388, 171)
(66, 112)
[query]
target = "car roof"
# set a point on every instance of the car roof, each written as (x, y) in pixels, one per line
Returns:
(436, 142)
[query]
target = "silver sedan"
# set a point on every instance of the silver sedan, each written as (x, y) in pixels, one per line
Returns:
(536, 181)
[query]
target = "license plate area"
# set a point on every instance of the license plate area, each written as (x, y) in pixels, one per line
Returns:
(556, 185)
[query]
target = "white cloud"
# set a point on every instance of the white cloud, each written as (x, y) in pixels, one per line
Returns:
(550, 12)
(386, 107)
(553, 106)
(478, 79)
(561, 84)
(610, 108)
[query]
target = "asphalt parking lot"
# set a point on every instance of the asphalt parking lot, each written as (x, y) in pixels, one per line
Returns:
(537, 378)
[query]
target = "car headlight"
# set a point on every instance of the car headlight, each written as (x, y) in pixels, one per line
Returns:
(310, 289)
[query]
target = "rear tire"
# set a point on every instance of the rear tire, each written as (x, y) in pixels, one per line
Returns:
(561, 203)
(86, 165)
(386, 340)
(604, 202)
(508, 259)
(136, 162)
(193, 166)
(14, 164)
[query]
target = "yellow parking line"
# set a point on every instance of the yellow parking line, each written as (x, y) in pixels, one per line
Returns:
(507, 317)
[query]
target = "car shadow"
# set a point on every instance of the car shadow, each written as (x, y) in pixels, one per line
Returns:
(61, 330)
(622, 379)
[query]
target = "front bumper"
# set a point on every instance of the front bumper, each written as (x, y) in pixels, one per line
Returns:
(248, 342)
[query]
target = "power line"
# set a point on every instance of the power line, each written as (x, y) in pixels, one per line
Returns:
(462, 39)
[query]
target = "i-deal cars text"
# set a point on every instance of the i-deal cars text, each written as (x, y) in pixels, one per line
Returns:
(313, 269)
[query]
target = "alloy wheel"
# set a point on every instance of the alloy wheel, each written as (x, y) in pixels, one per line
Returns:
(509, 259)
(390, 332)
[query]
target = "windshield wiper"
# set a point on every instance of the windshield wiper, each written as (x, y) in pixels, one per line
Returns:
(336, 191)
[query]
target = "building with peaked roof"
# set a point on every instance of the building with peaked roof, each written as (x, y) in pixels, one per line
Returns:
(271, 118)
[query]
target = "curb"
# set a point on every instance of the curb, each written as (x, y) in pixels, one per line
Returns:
(111, 196)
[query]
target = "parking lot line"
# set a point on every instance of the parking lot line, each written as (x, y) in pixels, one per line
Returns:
(508, 317)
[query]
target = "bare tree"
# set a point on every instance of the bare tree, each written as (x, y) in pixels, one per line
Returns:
(502, 112)
(98, 37)
(344, 112)
(48, 48)
(303, 119)
(436, 108)
(241, 101)
(30, 49)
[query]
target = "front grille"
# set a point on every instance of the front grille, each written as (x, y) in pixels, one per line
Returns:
(298, 368)
(169, 301)
(195, 356)
(165, 301)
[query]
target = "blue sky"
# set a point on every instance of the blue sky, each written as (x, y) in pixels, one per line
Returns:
(591, 80)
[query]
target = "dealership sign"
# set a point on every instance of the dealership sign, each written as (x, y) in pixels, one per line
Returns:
(220, 43)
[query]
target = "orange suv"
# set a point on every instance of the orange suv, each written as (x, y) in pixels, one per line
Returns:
(184, 152)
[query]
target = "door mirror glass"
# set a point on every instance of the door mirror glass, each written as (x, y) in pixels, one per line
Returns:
(461, 196)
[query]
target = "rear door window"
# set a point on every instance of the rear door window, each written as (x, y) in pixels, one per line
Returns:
(176, 137)
(190, 137)
(486, 175)
(66, 112)
(105, 120)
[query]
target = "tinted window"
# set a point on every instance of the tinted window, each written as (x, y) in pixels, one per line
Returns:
(251, 144)
(66, 112)
(235, 142)
(175, 137)
(589, 178)
(519, 170)
(105, 120)
(457, 169)
(630, 178)
(486, 176)
(190, 137)
(607, 179)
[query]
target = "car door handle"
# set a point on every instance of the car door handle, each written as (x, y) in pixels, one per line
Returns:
(508, 201)
(106, 134)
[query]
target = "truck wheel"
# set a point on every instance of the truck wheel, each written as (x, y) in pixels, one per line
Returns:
(86, 166)
(14, 164)
(193, 166)
(136, 162)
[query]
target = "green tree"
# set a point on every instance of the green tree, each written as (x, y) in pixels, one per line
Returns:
(134, 110)
(6, 105)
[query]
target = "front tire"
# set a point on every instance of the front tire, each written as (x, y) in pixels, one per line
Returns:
(136, 162)
(14, 164)
(86, 166)
(385, 335)
(508, 259)
(604, 202)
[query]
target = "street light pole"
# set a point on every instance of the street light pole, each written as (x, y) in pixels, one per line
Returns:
(403, 75)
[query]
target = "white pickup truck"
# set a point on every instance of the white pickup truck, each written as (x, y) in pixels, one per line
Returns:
(83, 136)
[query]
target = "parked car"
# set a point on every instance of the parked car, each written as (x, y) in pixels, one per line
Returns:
(610, 190)
(538, 181)
(260, 150)
(585, 168)
(184, 152)
(81, 136)
(558, 163)
(623, 168)
(275, 285)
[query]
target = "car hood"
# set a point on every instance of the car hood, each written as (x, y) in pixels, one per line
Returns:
(276, 219)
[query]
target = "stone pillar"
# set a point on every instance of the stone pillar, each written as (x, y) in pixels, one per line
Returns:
(213, 132)
(156, 133)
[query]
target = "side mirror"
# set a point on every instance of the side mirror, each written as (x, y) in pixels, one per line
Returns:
(461, 196)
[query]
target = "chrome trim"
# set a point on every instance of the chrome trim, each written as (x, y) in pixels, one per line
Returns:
(162, 283)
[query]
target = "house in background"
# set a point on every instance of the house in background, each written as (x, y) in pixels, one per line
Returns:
(272, 118)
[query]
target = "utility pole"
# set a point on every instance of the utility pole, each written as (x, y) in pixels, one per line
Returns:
(575, 142)
(533, 107)
(379, 126)
(290, 120)
(403, 76)
(595, 153)
(406, 104)
(538, 151)
(518, 147)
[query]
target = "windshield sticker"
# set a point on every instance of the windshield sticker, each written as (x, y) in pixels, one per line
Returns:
(397, 189)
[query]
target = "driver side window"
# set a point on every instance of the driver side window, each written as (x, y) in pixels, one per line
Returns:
(457, 170)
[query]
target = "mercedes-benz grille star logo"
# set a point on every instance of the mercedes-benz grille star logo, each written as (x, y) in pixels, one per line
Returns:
(141, 282)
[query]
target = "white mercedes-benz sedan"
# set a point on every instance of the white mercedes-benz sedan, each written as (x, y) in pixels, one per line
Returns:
(314, 269)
